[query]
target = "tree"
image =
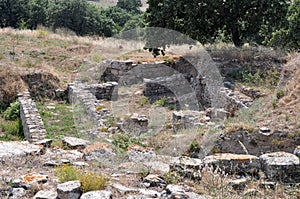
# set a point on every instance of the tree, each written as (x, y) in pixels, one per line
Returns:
(97, 23)
(241, 20)
(37, 13)
(289, 36)
(13, 12)
(119, 15)
(68, 14)
(130, 5)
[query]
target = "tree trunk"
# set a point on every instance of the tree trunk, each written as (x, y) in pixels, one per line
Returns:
(236, 37)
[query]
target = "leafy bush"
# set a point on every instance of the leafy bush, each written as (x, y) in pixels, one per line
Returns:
(194, 147)
(90, 181)
(123, 141)
(12, 112)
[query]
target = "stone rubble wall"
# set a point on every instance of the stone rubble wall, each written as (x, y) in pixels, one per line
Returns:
(89, 98)
(33, 125)
(127, 73)
(235, 100)
(106, 91)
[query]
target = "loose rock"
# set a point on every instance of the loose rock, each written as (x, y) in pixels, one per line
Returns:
(26, 181)
(281, 166)
(97, 195)
(187, 167)
(75, 143)
(45, 194)
(16, 193)
(69, 190)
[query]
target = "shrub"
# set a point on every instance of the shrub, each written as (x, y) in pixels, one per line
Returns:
(161, 102)
(12, 112)
(66, 173)
(194, 147)
(123, 141)
(90, 181)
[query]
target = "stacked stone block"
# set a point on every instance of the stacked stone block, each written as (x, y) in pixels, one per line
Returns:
(33, 125)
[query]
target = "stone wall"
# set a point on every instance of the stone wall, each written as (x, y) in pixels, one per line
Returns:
(106, 91)
(257, 142)
(92, 115)
(33, 125)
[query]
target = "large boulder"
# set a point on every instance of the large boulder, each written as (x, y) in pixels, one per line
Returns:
(237, 164)
(281, 166)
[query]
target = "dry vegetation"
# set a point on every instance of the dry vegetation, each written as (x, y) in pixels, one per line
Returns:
(281, 110)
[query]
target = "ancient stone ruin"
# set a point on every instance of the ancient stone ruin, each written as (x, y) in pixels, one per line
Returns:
(33, 126)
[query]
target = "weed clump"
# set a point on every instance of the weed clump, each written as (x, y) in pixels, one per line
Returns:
(123, 141)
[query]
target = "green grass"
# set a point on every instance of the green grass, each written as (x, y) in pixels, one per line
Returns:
(11, 130)
(58, 121)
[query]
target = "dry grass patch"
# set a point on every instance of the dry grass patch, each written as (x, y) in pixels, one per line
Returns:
(236, 127)
(283, 106)
(90, 181)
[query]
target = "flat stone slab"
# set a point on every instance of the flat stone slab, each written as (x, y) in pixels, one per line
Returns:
(45, 194)
(69, 190)
(97, 195)
(26, 181)
(12, 149)
(45, 142)
(75, 143)
(124, 190)
(281, 166)
(234, 163)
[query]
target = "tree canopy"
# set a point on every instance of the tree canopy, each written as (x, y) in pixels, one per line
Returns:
(238, 20)
(79, 16)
